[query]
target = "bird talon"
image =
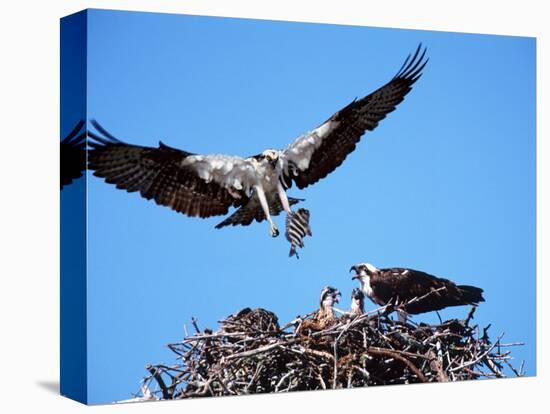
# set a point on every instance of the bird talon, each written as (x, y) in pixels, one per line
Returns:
(274, 231)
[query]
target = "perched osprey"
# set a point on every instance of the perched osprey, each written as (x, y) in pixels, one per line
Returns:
(72, 155)
(413, 291)
(208, 185)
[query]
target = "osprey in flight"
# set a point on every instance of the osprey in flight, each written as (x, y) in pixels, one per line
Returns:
(208, 185)
(413, 291)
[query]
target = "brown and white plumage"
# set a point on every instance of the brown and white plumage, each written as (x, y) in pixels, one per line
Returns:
(412, 290)
(324, 317)
(319, 152)
(159, 174)
(209, 185)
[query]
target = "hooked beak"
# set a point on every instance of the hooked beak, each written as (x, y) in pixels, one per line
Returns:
(355, 270)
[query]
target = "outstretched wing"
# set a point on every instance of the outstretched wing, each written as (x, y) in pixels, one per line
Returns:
(195, 185)
(73, 155)
(316, 154)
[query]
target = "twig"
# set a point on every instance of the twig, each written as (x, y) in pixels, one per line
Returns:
(392, 354)
(156, 374)
(251, 354)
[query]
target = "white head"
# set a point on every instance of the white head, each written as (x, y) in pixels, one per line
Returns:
(329, 296)
(363, 273)
(271, 155)
(363, 270)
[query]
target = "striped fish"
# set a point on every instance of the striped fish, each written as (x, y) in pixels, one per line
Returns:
(297, 227)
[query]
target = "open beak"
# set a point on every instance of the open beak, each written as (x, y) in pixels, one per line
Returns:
(353, 268)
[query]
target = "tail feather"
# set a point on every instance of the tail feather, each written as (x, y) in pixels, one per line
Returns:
(471, 294)
(253, 211)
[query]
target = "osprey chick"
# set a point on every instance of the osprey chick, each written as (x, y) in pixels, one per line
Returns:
(208, 185)
(325, 316)
(357, 302)
(423, 292)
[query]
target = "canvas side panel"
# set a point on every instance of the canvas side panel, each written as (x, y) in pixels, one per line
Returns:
(73, 318)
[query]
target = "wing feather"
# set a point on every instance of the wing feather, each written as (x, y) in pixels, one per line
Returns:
(408, 284)
(314, 155)
(165, 175)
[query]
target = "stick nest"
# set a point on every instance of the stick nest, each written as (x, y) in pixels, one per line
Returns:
(251, 353)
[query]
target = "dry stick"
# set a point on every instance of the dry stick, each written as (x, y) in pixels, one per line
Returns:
(470, 315)
(522, 368)
(220, 380)
(255, 377)
(410, 354)
(322, 354)
(218, 363)
(510, 344)
(436, 366)
(194, 322)
(196, 338)
(475, 361)
(492, 366)
(156, 374)
(282, 380)
(254, 351)
(392, 354)
(335, 366)
(515, 371)
(363, 371)
(322, 381)
(419, 298)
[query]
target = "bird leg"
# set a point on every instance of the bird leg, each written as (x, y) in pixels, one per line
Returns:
(265, 207)
(402, 316)
(283, 197)
(400, 310)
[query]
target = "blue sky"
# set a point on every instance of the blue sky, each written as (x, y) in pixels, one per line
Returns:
(445, 184)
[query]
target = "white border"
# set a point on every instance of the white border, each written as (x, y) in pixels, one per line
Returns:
(29, 222)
